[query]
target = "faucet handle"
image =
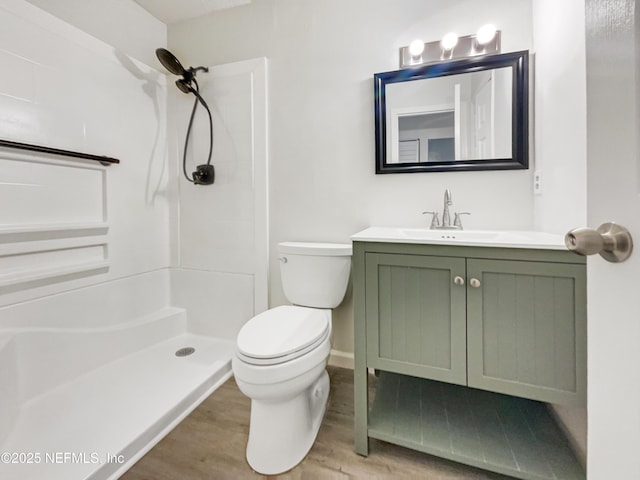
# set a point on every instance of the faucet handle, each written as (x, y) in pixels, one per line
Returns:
(434, 220)
(456, 219)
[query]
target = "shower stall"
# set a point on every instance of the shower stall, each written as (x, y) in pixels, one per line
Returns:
(122, 287)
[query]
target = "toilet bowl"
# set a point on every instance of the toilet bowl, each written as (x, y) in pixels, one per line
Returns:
(281, 356)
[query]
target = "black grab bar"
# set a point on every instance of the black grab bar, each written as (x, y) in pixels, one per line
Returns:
(106, 161)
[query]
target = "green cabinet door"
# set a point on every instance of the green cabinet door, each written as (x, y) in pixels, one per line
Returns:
(415, 315)
(526, 329)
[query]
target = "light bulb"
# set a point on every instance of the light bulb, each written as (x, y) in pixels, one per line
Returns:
(485, 34)
(449, 41)
(416, 48)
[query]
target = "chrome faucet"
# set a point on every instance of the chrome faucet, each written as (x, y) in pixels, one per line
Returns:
(446, 216)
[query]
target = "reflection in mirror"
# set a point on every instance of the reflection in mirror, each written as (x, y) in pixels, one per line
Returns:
(431, 130)
(473, 123)
(463, 115)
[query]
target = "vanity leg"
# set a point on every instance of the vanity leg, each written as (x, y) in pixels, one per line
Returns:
(360, 374)
(361, 409)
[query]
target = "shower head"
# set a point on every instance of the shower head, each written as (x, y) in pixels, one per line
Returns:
(170, 62)
(184, 86)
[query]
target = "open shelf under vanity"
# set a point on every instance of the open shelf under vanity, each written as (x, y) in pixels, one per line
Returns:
(501, 433)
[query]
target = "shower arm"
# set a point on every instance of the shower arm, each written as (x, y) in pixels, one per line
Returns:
(195, 69)
(189, 74)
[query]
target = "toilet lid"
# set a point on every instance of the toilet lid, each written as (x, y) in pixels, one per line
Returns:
(287, 331)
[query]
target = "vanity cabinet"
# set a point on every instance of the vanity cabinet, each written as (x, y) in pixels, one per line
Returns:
(416, 316)
(481, 319)
(526, 329)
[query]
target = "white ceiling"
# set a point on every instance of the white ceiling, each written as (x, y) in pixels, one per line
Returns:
(172, 11)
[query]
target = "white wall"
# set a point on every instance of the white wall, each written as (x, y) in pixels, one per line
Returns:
(67, 89)
(560, 114)
(561, 139)
(322, 57)
(121, 23)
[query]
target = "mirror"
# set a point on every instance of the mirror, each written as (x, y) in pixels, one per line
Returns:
(469, 114)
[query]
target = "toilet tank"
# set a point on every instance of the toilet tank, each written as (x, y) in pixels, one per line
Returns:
(315, 274)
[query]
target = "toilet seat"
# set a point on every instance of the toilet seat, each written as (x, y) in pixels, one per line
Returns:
(282, 334)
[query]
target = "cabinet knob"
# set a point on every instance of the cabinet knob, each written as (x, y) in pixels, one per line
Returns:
(475, 283)
(458, 280)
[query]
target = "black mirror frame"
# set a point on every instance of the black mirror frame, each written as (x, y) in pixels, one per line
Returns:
(519, 61)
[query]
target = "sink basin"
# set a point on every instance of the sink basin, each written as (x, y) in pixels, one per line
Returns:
(486, 238)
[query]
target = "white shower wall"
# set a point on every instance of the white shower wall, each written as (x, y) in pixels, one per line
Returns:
(221, 277)
(70, 90)
(64, 88)
(138, 33)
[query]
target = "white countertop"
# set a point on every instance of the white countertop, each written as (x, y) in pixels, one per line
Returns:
(471, 238)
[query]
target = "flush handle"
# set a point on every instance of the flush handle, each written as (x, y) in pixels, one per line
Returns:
(612, 241)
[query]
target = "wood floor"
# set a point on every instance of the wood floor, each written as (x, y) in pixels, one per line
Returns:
(210, 444)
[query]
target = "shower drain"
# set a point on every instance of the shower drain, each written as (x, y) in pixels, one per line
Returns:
(183, 352)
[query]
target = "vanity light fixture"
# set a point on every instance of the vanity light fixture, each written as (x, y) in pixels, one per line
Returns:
(486, 33)
(416, 48)
(448, 43)
(485, 42)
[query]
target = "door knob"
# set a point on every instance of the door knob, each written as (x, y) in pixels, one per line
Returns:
(475, 283)
(458, 280)
(613, 242)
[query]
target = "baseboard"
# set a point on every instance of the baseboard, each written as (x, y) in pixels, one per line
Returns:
(341, 359)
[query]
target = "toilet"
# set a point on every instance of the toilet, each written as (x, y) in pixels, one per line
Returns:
(281, 356)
